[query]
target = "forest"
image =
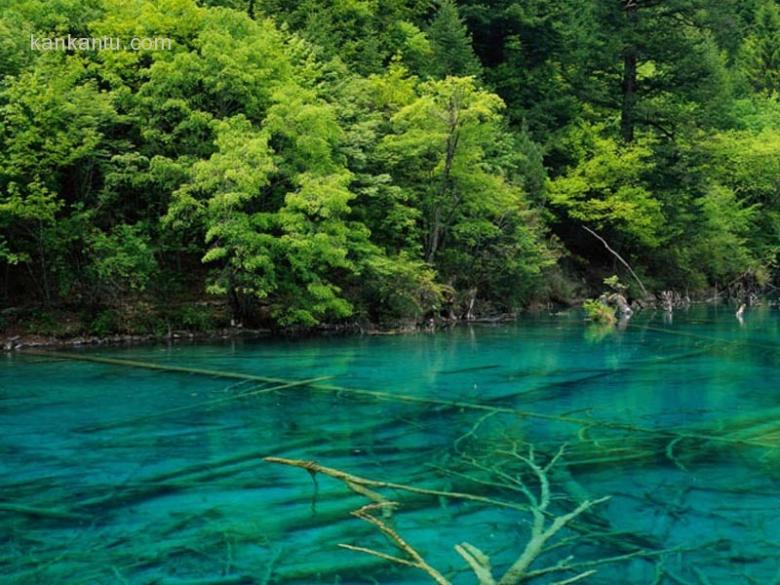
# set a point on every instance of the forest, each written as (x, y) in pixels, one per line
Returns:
(296, 164)
(270, 216)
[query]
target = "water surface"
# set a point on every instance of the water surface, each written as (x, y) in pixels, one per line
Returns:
(120, 474)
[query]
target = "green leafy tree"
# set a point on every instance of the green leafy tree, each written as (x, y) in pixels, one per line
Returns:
(221, 188)
(448, 150)
(365, 34)
(345, 158)
(608, 189)
(122, 262)
(721, 241)
(52, 123)
(279, 242)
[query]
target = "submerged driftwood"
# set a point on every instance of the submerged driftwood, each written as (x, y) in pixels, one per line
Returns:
(545, 526)
(479, 473)
(312, 384)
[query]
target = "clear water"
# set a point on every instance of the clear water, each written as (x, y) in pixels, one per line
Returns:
(120, 474)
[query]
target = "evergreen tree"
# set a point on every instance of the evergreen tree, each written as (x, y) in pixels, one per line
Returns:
(451, 42)
(760, 55)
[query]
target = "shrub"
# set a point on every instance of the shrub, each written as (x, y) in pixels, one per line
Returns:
(599, 312)
(105, 323)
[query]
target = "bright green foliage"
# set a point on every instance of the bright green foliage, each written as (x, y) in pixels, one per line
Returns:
(449, 152)
(608, 189)
(122, 261)
(52, 120)
(750, 163)
(328, 160)
(437, 149)
(747, 164)
(721, 242)
(267, 245)
(599, 312)
(229, 181)
(401, 286)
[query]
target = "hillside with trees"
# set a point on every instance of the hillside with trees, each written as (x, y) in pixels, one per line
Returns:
(381, 161)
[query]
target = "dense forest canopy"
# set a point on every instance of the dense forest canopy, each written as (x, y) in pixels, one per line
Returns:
(377, 160)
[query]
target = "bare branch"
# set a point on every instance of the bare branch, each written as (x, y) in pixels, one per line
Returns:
(416, 559)
(376, 553)
(619, 257)
(517, 572)
(545, 524)
(354, 480)
(478, 561)
(575, 578)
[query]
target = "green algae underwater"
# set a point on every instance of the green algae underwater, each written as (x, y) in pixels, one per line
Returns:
(546, 446)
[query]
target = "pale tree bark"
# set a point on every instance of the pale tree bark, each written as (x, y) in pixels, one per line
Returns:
(446, 193)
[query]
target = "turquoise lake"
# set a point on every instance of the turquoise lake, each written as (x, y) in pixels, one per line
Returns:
(122, 473)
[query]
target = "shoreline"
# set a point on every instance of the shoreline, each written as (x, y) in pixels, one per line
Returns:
(22, 341)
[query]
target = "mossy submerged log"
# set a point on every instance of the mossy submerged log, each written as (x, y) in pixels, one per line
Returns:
(746, 427)
(222, 580)
(701, 434)
(36, 512)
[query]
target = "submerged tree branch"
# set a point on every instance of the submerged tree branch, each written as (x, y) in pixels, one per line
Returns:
(542, 530)
(416, 559)
(353, 480)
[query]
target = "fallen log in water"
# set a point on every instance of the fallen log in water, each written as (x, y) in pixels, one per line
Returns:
(397, 397)
(200, 405)
(353, 480)
(170, 482)
(154, 366)
(226, 580)
(56, 513)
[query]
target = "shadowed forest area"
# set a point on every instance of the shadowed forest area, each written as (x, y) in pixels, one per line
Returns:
(380, 162)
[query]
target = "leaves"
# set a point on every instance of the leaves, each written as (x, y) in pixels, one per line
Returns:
(608, 188)
(342, 159)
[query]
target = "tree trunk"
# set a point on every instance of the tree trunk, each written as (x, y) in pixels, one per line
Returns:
(630, 58)
(46, 288)
(472, 300)
(451, 148)
(433, 237)
(236, 305)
